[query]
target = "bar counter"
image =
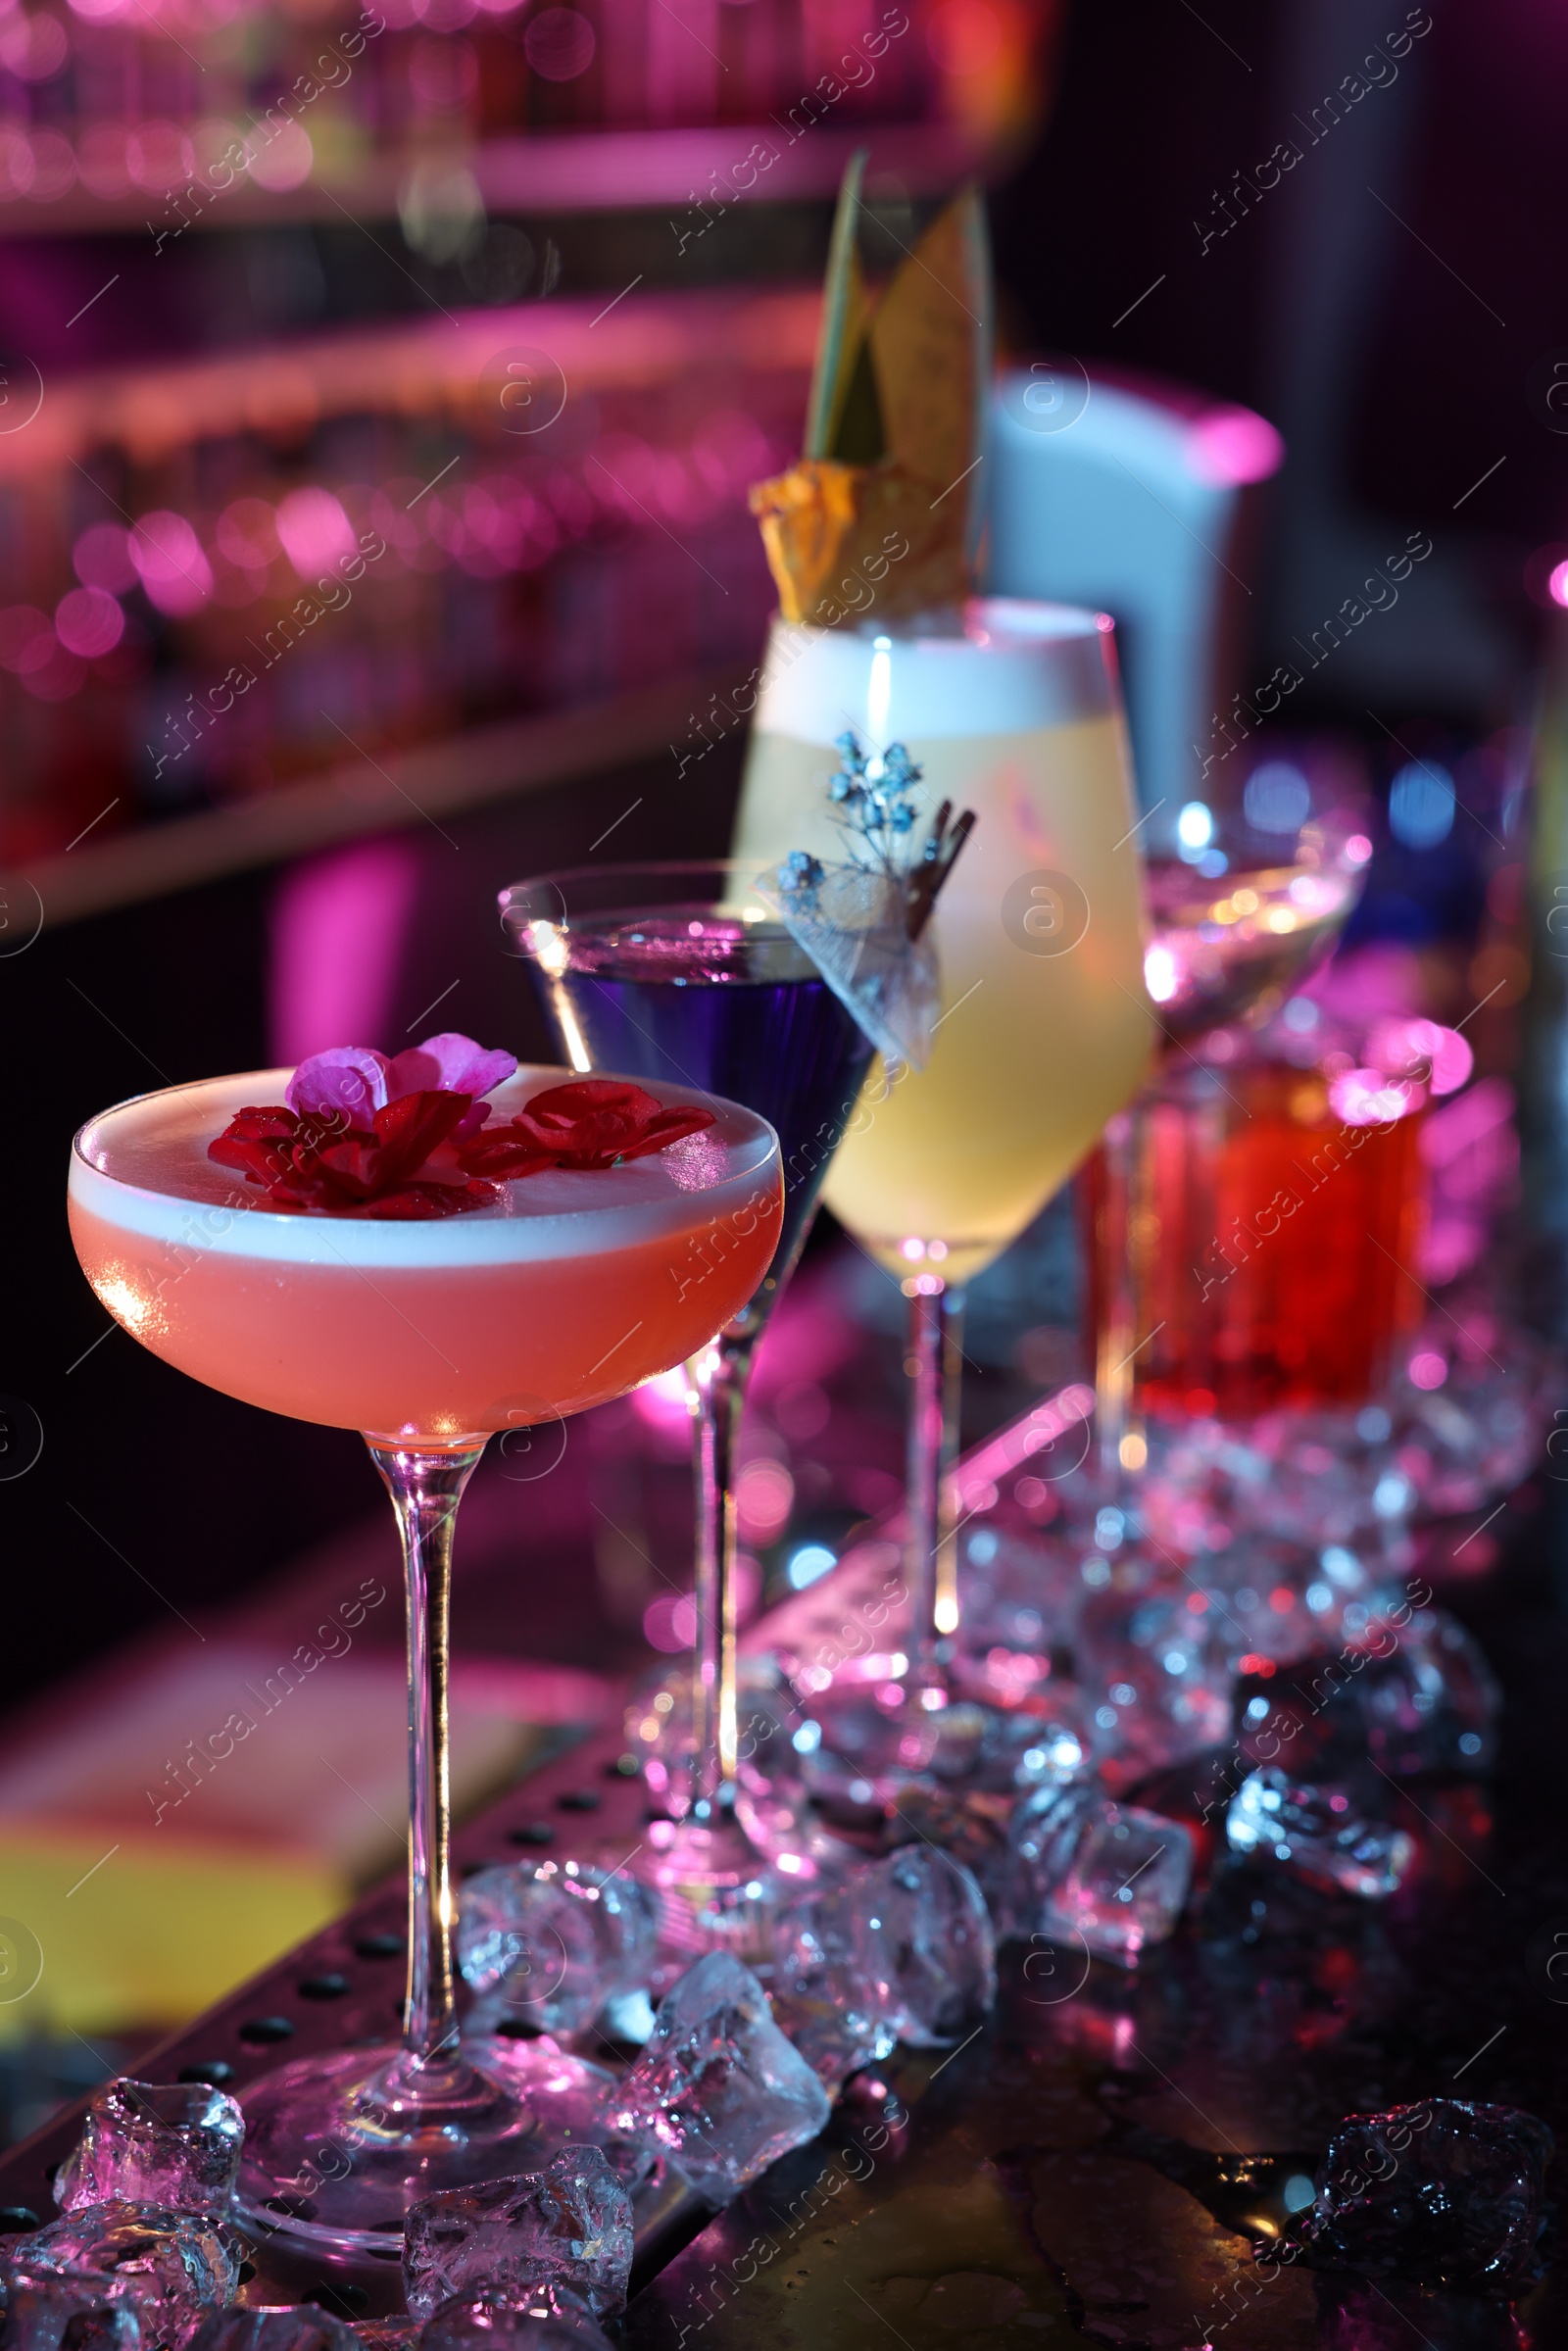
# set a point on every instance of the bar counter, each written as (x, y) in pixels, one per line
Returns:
(1099, 2161)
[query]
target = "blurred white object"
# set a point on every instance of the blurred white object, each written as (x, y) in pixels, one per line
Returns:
(1136, 503)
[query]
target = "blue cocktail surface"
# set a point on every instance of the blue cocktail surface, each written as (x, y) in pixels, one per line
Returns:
(697, 997)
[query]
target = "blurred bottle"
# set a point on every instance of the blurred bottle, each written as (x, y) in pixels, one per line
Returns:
(1543, 1044)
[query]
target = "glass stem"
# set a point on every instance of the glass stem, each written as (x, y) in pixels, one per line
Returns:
(427, 1488)
(934, 1364)
(717, 1395)
(946, 1611)
(1113, 1365)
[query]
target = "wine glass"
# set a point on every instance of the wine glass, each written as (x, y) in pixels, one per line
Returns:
(1011, 709)
(428, 1335)
(681, 973)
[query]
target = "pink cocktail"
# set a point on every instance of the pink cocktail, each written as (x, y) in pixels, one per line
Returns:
(516, 1300)
(581, 1286)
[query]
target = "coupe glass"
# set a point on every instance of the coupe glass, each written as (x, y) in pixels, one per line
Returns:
(681, 974)
(427, 1337)
(1010, 710)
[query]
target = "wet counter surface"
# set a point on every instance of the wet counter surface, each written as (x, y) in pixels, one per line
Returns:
(1079, 2170)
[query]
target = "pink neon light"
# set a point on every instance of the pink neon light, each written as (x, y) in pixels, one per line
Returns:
(88, 621)
(175, 572)
(1231, 446)
(662, 1402)
(315, 530)
(337, 934)
(669, 1623)
(1421, 1049)
(1366, 1097)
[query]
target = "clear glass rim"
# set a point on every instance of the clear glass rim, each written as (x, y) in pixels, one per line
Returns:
(633, 887)
(283, 1225)
(150, 1094)
(1021, 619)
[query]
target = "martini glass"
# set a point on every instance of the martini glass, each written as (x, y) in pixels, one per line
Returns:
(681, 974)
(427, 1337)
(1010, 710)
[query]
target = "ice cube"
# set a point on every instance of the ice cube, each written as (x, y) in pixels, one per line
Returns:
(543, 2318)
(1425, 1697)
(825, 2005)
(1445, 2193)
(1156, 1669)
(42, 2310)
(550, 1944)
(909, 1938)
(1320, 1831)
(175, 2144)
(970, 1824)
(934, 1944)
(988, 1748)
(718, 2088)
(571, 2223)
(1275, 1602)
(1113, 1874)
(858, 1753)
(301, 2327)
(174, 2268)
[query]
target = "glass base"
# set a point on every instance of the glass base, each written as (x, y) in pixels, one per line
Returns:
(717, 1891)
(338, 2147)
(872, 1750)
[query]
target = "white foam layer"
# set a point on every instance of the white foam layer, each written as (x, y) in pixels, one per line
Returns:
(143, 1167)
(1017, 666)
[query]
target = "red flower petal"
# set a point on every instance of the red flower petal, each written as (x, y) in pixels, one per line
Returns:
(411, 1128)
(315, 1162)
(581, 1096)
(670, 1126)
(268, 1119)
(592, 1122)
(421, 1202)
(257, 1142)
(504, 1154)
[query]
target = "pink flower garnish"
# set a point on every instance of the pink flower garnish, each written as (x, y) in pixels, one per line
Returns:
(356, 1081)
(348, 1083)
(362, 1135)
(450, 1063)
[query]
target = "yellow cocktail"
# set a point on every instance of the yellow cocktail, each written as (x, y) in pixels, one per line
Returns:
(1046, 1029)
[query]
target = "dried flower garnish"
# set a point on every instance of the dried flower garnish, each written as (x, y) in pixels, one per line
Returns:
(873, 801)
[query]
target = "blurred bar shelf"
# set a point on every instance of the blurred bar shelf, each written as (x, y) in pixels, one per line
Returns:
(602, 563)
(549, 175)
(423, 368)
(470, 770)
